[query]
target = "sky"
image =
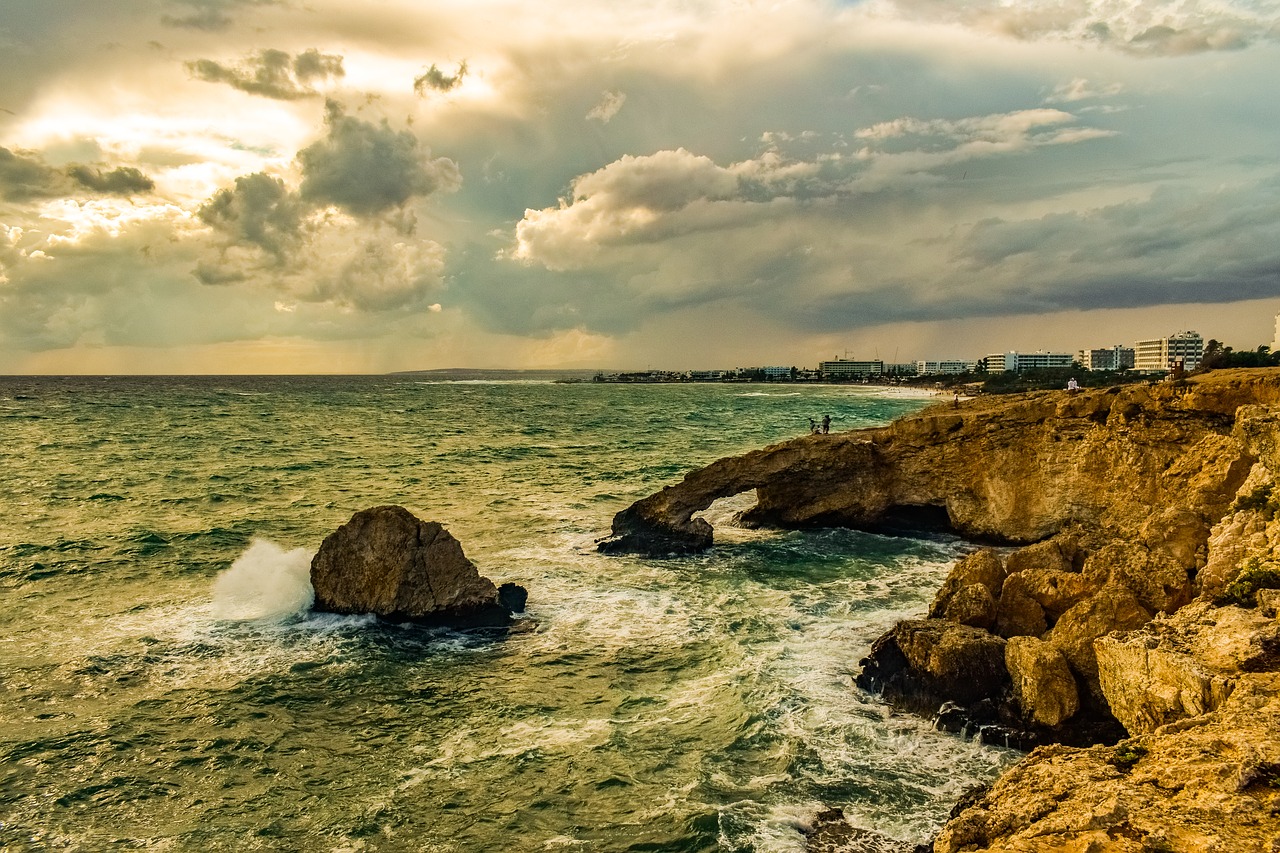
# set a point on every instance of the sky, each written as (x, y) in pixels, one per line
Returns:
(271, 186)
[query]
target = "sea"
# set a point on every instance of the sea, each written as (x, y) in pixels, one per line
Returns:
(164, 684)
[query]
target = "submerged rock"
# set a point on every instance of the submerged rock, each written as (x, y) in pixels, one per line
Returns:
(387, 562)
(831, 833)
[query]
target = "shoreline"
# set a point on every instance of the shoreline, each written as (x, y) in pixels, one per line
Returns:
(1128, 630)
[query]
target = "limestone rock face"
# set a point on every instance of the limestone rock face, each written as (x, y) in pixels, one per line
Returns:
(1043, 685)
(1206, 784)
(387, 562)
(1185, 665)
(1016, 469)
(924, 662)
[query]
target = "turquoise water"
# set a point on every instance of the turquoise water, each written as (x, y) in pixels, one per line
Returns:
(692, 704)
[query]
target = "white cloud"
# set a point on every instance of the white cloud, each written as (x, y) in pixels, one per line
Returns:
(610, 104)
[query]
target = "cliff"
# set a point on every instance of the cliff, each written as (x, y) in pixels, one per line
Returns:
(1001, 469)
(1141, 604)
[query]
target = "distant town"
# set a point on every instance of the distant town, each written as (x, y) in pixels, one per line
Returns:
(1177, 353)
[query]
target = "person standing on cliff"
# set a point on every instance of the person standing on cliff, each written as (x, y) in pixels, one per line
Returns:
(1072, 385)
(826, 424)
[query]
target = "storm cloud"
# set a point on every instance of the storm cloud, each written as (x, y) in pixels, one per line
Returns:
(260, 211)
(368, 169)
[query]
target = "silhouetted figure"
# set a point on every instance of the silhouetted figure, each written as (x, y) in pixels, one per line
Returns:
(826, 424)
(813, 427)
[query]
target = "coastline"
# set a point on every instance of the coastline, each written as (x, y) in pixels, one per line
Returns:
(1146, 541)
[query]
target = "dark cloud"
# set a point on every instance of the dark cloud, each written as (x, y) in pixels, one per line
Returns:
(436, 80)
(368, 169)
(273, 73)
(259, 210)
(125, 180)
(208, 15)
(25, 176)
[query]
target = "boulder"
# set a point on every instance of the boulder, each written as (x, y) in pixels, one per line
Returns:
(387, 562)
(981, 567)
(922, 663)
(1054, 590)
(1159, 581)
(1062, 553)
(972, 605)
(1043, 685)
(1184, 665)
(1019, 615)
(1114, 608)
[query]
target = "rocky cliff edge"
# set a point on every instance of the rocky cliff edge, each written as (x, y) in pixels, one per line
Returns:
(1139, 615)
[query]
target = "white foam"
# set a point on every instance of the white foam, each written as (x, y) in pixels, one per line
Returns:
(265, 583)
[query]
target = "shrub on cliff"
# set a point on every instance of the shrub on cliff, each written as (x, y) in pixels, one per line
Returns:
(1255, 574)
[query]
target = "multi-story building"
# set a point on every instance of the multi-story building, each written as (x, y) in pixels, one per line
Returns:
(775, 374)
(1019, 361)
(1114, 358)
(848, 369)
(926, 368)
(905, 369)
(1184, 349)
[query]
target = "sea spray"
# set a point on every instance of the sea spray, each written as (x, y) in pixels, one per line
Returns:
(265, 582)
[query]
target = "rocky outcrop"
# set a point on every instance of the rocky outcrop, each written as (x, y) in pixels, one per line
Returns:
(1013, 469)
(387, 562)
(1197, 687)
(1142, 603)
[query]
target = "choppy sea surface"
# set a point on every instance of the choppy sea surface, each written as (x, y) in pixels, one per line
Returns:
(164, 686)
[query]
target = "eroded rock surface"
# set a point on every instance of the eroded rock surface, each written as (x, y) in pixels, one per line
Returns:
(1144, 601)
(387, 562)
(1010, 469)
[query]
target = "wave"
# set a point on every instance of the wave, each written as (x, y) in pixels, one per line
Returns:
(266, 582)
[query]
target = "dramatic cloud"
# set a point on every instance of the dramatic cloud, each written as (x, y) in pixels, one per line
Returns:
(662, 182)
(1143, 27)
(273, 73)
(261, 211)
(368, 169)
(435, 80)
(125, 180)
(643, 199)
(25, 176)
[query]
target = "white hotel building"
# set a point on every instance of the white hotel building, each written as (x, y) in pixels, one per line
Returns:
(1185, 349)
(1018, 361)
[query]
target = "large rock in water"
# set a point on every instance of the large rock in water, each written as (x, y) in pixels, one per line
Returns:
(387, 562)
